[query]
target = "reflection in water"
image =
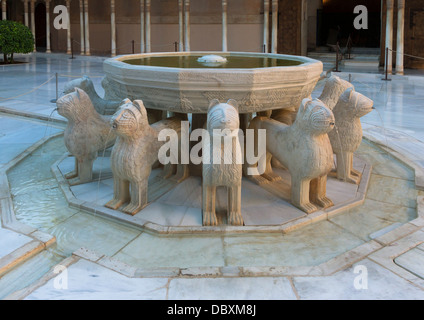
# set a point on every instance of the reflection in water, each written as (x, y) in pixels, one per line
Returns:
(233, 62)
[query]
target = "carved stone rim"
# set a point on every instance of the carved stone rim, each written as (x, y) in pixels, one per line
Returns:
(118, 61)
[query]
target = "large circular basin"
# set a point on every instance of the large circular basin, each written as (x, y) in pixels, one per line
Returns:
(177, 82)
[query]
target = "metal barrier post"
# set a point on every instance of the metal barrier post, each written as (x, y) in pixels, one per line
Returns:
(57, 89)
(72, 48)
(387, 61)
(337, 58)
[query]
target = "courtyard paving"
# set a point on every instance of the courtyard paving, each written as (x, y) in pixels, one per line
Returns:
(383, 238)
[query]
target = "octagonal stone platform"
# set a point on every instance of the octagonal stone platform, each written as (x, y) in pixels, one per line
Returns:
(176, 208)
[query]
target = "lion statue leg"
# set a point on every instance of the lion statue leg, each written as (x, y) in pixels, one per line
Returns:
(234, 206)
(121, 193)
(318, 191)
(269, 174)
(209, 198)
(138, 197)
(344, 168)
(74, 173)
(85, 171)
(300, 195)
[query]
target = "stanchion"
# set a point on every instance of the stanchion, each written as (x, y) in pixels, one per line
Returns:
(337, 58)
(57, 89)
(72, 48)
(133, 46)
(176, 46)
(387, 64)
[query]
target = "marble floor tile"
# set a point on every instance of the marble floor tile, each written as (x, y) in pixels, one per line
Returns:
(231, 289)
(413, 261)
(381, 285)
(90, 281)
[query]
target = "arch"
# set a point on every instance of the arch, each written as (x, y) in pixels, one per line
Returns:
(40, 26)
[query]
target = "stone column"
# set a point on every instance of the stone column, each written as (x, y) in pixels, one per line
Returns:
(389, 34)
(304, 29)
(400, 36)
(180, 25)
(274, 35)
(3, 10)
(81, 7)
(68, 33)
(266, 26)
(32, 7)
(26, 12)
(143, 44)
(87, 29)
(224, 26)
(187, 25)
(48, 49)
(148, 31)
(113, 27)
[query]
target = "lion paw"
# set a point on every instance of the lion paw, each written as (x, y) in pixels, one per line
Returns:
(259, 180)
(235, 219)
(273, 177)
(209, 219)
(307, 207)
(71, 175)
(132, 209)
(114, 204)
(324, 202)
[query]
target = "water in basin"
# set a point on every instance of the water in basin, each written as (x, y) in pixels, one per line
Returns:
(233, 62)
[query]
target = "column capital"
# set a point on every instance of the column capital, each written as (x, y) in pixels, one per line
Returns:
(389, 4)
(401, 4)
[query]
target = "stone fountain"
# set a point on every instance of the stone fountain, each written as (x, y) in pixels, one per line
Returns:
(156, 86)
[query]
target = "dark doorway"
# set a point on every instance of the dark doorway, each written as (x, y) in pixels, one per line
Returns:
(40, 27)
(335, 23)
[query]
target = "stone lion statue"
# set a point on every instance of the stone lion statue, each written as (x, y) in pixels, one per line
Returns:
(135, 152)
(304, 149)
(333, 89)
(102, 106)
(86, 133)
(226, 168)
(347, 137)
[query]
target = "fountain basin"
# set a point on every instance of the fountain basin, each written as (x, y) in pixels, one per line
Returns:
(272, 81)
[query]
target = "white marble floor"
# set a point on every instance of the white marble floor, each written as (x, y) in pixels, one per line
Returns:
(398, 123)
